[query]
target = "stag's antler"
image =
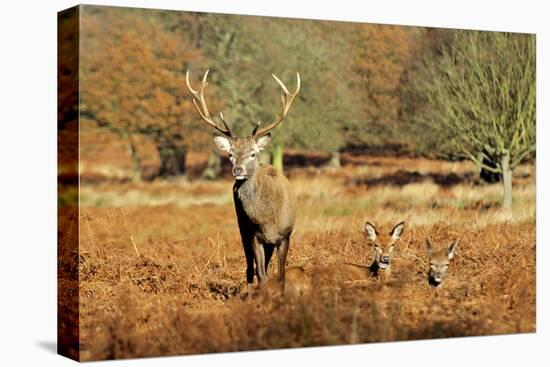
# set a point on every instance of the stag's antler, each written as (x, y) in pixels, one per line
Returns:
(198, 98)
(286, 98)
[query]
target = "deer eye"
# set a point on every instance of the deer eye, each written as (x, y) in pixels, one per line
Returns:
(253, 155)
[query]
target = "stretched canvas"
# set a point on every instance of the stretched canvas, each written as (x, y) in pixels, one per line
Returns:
(233, 183)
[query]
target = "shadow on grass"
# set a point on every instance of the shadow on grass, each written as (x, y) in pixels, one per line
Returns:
(450, 329)
(401, 178)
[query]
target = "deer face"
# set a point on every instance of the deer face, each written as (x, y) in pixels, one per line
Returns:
(383, 243)
(439, 262)
(243, 153)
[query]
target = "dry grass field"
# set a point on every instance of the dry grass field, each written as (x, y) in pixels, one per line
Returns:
(162, 270)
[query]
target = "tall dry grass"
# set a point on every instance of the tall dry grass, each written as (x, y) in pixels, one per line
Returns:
(164, 274)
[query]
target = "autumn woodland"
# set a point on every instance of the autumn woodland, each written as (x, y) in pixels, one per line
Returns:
(433, 127)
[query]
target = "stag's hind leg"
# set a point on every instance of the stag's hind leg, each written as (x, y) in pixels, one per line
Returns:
(282, 251)
(259, 257)
(268, 249)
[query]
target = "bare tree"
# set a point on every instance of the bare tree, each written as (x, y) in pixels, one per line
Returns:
(481, 92)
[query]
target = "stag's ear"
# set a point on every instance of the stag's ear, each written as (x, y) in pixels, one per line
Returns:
(263, 140)
(397, 231)
(370, 230)
(429, 246)
(223, 143)
(452, 248)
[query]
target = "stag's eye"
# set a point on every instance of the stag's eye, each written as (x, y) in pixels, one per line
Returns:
(253, 155)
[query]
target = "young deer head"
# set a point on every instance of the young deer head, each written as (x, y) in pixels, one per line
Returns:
(243, 152)
(383, 245)
(439, 261)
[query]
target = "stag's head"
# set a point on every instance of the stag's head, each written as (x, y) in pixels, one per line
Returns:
(243, 152)
(383, 242)
(439, 261)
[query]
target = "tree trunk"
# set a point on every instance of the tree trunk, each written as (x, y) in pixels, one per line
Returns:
(506, 180)
(265, 157)
(213, 167)
(334, 161)
(172, 157)
(136, 161)
(486, 175)
(277, 158)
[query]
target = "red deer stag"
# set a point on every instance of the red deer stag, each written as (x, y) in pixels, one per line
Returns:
(263, 197)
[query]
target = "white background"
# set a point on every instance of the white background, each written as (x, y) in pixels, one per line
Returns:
(28, 181)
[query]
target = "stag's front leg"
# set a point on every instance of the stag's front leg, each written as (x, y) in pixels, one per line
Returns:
(249, 254)
(259, 258)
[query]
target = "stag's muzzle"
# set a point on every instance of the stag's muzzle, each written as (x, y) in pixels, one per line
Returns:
(239, 172)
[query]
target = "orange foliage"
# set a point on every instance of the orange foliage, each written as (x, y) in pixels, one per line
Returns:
(67, 64)
(382, 55)
(132, 70)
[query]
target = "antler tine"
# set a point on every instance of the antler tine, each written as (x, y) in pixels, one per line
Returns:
(256, 127)
(287, 99)
(202, 109)
(281, 83)
(225, 123)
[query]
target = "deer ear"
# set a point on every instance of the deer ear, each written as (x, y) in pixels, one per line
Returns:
(370, 230)
(429, 247)
(397, 231)
(452, 248)
(223, 143)
(263, 140)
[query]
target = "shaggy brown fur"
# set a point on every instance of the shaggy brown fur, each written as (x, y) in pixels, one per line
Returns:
(264, 203)
(268, 201)
(265, 207)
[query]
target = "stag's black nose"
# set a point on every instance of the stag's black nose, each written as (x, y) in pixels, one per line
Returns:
(385, 259)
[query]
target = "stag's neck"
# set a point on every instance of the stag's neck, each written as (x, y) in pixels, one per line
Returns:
(245, 191)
